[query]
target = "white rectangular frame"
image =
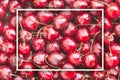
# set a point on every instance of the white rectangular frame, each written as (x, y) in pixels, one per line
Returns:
(17, 68)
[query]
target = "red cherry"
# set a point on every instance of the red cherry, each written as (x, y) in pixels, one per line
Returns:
(56, 4)
(109, 38)
(115, 49)
(117, 30)
(12, 60)
(98, 74)
(25, 1)
(85, 47)
(68, 2)
(40, 3)
(5, 73)
(114, 71)
(3, 58)
(60, 22)
(45, 17)
(68, 44)
(94, 29)
(74, 58)
(49, 33)
(2, 12)
(5, 3)
(18, 78)
(107, 24)
(38, 44)
(89, 60)
(1, 27)
(110, 78)
(83, 35)
(112, 10)
(111, 60)
(1, 42)
(28, 13)
(30, 23)
(24, 48)
(79, 76)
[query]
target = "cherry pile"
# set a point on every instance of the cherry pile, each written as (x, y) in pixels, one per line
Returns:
(60, 40)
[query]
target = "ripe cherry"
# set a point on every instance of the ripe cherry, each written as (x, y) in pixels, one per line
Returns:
(94, 29)
(79, 76)
(18, 78)
(107, 24)
(85, 47)
(110, 78)
(5, 3)
(68, 2)
(56, 4)
(98, 74)
(117, 30)
(68, 44)
(12, 60)
(3, 58)
(109, 38)
(115, 49)
(2, 12)
(40, 3)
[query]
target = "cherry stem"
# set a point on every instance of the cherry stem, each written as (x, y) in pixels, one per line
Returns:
(103, 3)
(80, 47)
(87, 24)
(41, 23)
(22, 36)
(13, 75)
(92, 42)
(39, 32)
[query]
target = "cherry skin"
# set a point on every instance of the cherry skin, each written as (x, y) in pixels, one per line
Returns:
(18, 78)
(112, 10)
(39, 58)
(68, 2)
(1, 27)
(5, 73)
(2, 12)
(45, 17)
(94, 29)
(109, 38)
(10, 34)
(107, 1)
(114, 71)
(70, 30)
(60, 22)
(115, 48)
(8, 47)
(24, 1)
(40, 3)
(12, 60)
(28, 13)
(55, 58)
(107, 24)
(30, 23)
(56, 4)
(85, 47)
(117, 30)
(83, 18)
(68, 44)
(79, 76)
(24, 48)
(49, 33)
(110, 78)
(5, 3)
(38, 44)
(111, 61)
(1, 42)
(53, 46)
(74, 58)
(83, 35)
(98, 74)
(89, 60)
(3, 58)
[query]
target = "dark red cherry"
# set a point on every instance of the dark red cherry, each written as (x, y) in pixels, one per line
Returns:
(117, 30)
(109, 38)
(115, 48)
(70, 30)
(10, 34)
(68, 44)
(38, 43)
(79, 76)
(20, 59)
(39, 58)
(107, 1)
(45, 17)
(55, 58)
(83, 35)
(117, 1)
(5, 73)
(83, 18)
(49, 33)
(112, 10)
(12, 60)
(3, 58)
(110, 78)
(2, 12)
(46, 75)
(74, 58)
(1, 27)
(25, 1)
(5, 3)
(8, 47)
(1, 41)
(13, 5)
(85, 47)
(24, 48)
(79, 4)
(68, 2)
(53, 46)
(25, 35)
(111, 60)
(40, 3)
(30, 23)
(97, 48)
(94, 29)
(56, 4)
(28, 13)
(98, 74)
(107, 24)
(60, 22)
(89, 60)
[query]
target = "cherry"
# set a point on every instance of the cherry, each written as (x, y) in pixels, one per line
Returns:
(45, 17)
(114, 71)
(30, 23)
(110, 78)
(94, 29)
(56, 4)
(1, 41)
(107, 1)
(109, 38)
(39, 58)
(24, 1)
(10, 34)
(79, 4)
(117, 30)
(89, 60)
(49, 33)
(53, 46)
(98, 74)
(28, 13)
(83, 35)
(27, 65)
(5, 3)
(20, 59)
(12, 60)
(40, 3)
(83, 18)
(38, 43)
(3, 58)
(45, 75)
(112, 10)
(68, 44)
(74, 58)
(24, 48)
(70, 30)
(55, 58)
(13, 5)
(107, 24)
(18, 78)
(5, 73)
(79, 76)
(85, 47)
(115, 49)
(2, 12)
(111, 60)
(68, 2)
(118, 2)
(8, 47)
